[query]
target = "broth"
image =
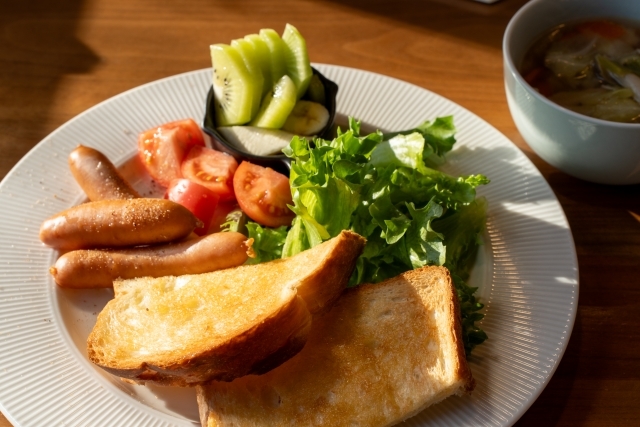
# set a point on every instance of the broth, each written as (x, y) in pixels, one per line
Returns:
(590, 67)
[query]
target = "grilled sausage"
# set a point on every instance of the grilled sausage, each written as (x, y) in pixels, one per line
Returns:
(118, 223)
(97, 176)
(95, 268)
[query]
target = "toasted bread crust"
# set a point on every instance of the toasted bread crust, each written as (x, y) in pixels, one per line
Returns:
(281, 296)
(382, 354)
(463, 370)
(322, 298)
(264, 346)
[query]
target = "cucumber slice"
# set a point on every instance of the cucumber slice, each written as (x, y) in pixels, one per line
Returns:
(233, 86)
(276, 105)
(263, 58)
(277, 49)
(307, 118)
(255, 140)
(248, 54)
(296, 58)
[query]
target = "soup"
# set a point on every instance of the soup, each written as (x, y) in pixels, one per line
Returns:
(590, 67)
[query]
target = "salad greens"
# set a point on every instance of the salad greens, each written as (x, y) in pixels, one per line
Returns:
(385, 187)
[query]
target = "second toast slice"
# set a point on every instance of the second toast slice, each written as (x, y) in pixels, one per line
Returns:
(383, 353)
(191, 329)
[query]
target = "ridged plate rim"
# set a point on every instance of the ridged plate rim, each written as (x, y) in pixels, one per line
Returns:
(528, 278)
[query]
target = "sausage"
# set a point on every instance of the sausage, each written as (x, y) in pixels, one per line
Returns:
(95, 268)
(97, 176)
(118, 223)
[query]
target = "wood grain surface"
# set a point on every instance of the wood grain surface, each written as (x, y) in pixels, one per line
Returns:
(59, 58)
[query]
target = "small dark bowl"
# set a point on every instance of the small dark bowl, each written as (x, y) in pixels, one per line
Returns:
(278, 162)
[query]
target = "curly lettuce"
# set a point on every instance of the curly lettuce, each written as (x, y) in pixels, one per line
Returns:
(386, 188)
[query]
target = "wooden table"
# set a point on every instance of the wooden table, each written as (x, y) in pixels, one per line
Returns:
(58, 58)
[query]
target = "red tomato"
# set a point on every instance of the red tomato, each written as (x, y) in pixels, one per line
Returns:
(220, 216)
(198, 199)
(263, 194)
(163, 148)
(212, 169)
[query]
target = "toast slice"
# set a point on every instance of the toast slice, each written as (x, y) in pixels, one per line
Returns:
(382, 354)
(191, 329)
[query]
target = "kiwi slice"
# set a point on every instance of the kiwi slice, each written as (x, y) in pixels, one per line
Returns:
(296, 58)
(315, 91)
(277, 49)
(277, 104)
(263, 58)
(247, 52)
(233, 86)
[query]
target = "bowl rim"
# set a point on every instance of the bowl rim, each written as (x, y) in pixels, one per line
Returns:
(510, 65)
(280, 162)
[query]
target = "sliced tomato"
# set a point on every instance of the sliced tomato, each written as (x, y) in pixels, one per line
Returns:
(220, 217)
(163, 148)
(212, 169)
(263, 194)
(201, 201)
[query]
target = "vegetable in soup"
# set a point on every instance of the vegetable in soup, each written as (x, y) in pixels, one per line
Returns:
(590, 67)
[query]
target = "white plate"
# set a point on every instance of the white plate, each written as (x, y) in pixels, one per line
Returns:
(527, 271)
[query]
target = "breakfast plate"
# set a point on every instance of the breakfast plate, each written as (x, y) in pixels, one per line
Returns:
(526, 271)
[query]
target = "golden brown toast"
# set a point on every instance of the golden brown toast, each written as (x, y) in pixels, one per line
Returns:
(383, 353)
(191, 329)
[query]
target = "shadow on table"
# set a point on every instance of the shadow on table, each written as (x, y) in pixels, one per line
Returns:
(38, 40)
(597, 350)
(611, 220)
(435, 15)
(625, 197)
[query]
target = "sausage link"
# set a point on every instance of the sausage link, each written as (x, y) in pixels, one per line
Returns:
(97, 176)
(118, 223)
(95, 268)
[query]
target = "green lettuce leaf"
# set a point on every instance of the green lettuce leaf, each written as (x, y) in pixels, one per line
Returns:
(267, 242)
(386, 188)
(462, 229)
(400, 151)
(439, 136)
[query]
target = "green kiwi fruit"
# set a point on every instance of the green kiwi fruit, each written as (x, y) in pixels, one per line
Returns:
(316, 91)
(296, 58)
(263, 58)
(277, 105)
(277, 49)
(233, 86)
(247, 52)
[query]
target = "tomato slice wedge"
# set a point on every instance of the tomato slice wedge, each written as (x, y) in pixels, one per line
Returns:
(263, 194)
(201, 201)
(220, 216)
(212, 169)
(163, 148)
